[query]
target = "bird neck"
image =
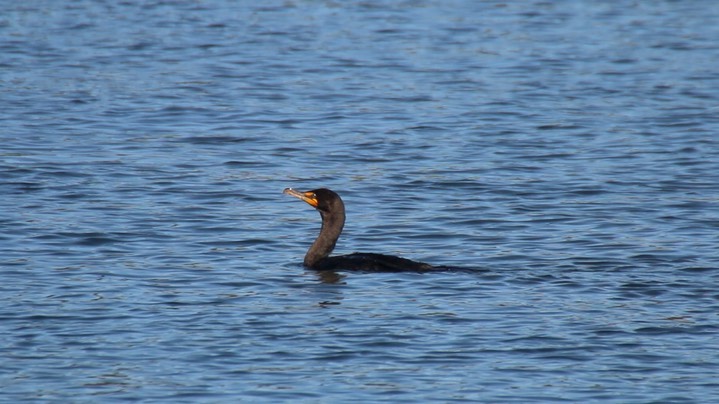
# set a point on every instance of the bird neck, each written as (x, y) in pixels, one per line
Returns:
(332, 224)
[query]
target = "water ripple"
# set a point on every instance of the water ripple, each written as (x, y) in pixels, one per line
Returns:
(561, 159)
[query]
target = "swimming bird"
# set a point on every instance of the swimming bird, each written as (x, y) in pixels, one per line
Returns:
(332, 211)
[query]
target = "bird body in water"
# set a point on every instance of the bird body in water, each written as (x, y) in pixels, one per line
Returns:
(332, 210)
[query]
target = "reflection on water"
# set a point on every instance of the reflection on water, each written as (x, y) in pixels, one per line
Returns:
(331, 277)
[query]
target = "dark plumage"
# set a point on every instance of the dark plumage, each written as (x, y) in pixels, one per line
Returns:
(332, 210)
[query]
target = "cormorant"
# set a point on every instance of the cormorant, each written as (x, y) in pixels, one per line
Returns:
(332, 210)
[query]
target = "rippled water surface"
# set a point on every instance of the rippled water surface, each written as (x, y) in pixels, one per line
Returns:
(564, 156)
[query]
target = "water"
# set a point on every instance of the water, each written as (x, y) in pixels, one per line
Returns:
(566, 152)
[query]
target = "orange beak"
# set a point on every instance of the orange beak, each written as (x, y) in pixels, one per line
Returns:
(308, 197)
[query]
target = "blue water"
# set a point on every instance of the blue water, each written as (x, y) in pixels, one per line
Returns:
(564, 154)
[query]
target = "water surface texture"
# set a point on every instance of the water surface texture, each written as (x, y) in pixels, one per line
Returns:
(564, 155)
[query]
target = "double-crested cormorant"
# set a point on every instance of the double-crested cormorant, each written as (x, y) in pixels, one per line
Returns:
(332, 210)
